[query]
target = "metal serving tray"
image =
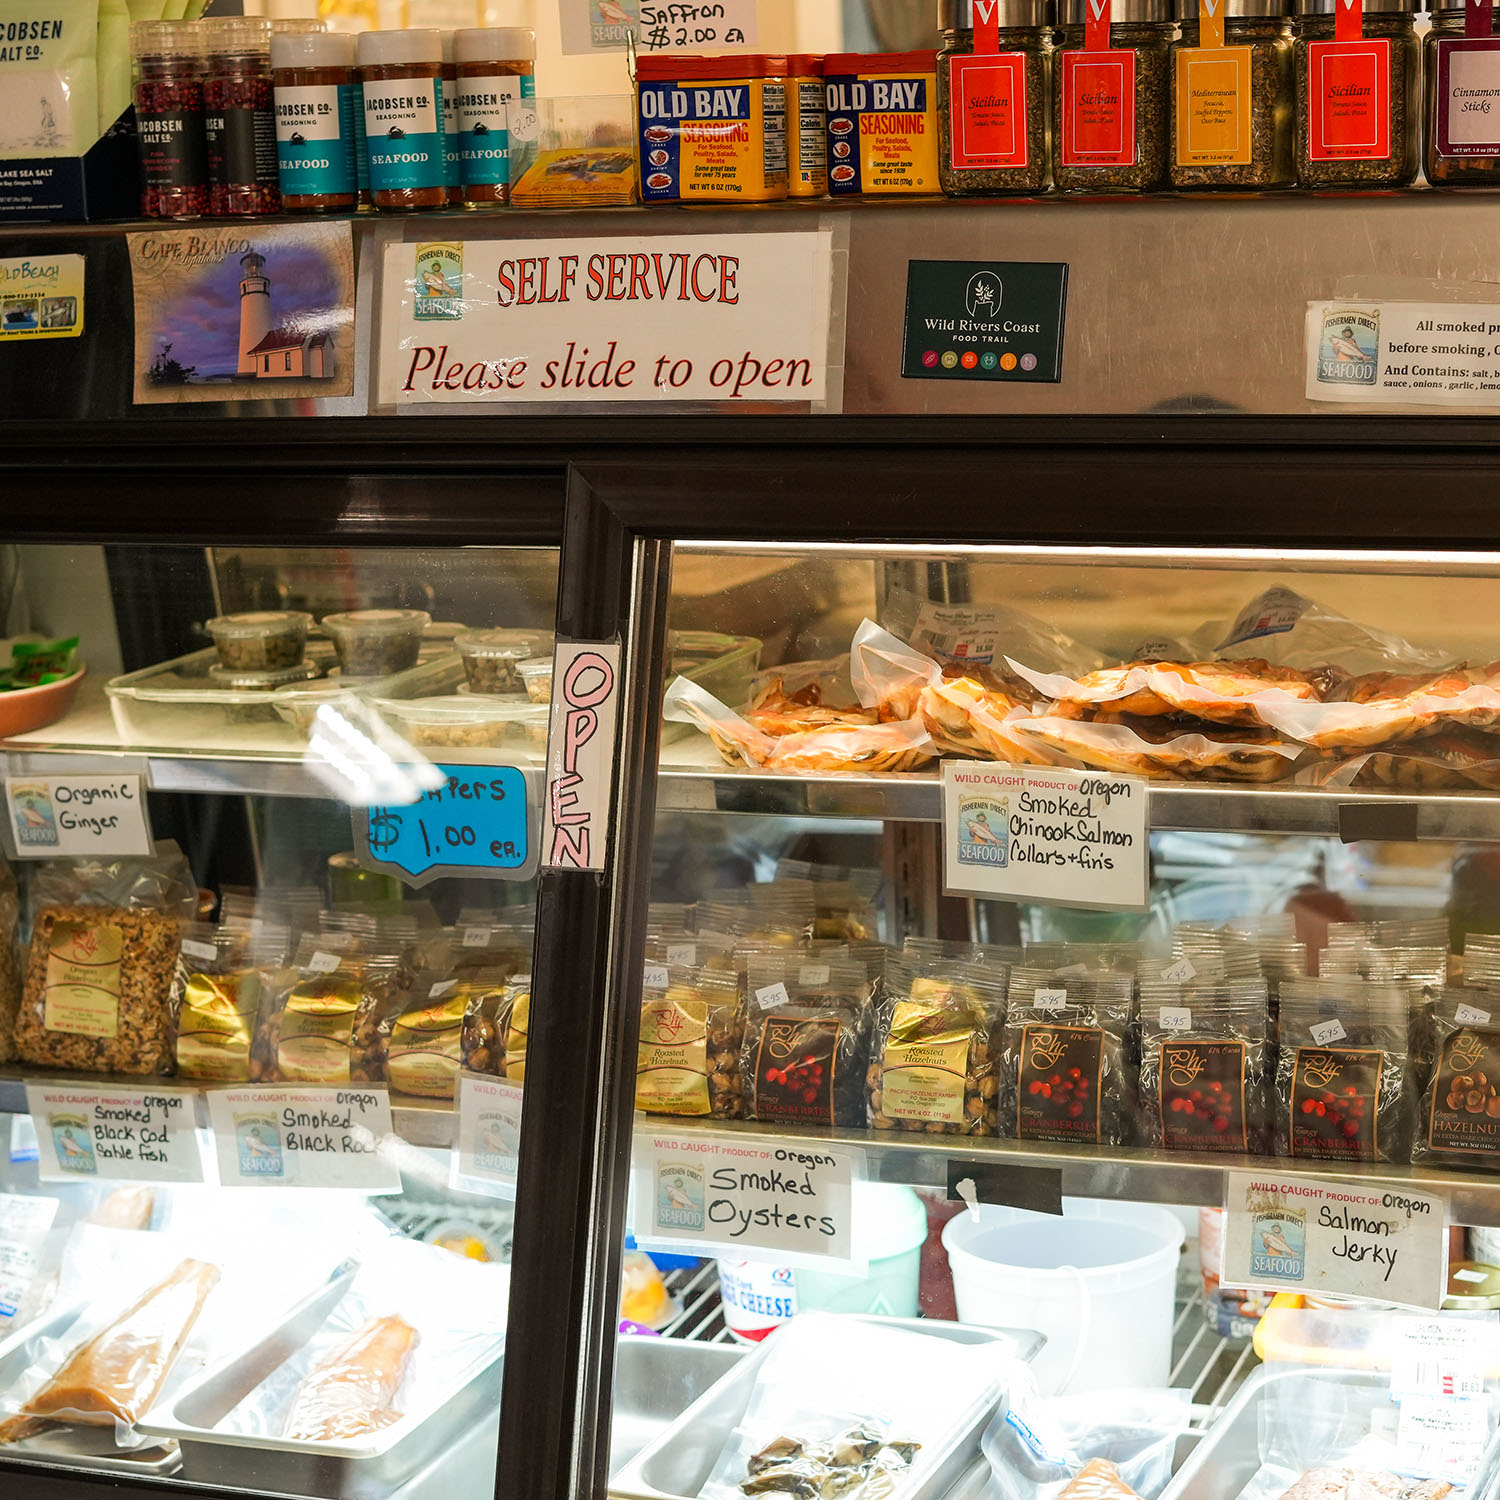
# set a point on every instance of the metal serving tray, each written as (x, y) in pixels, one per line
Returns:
(365, 1468)
(76, 1447)
(677, 1464)
(656, 1380)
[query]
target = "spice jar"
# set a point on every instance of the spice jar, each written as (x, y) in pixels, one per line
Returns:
(882, 122)
(1110, 105)
(495, 66)
(994, 76)
(452, 174)
(239, 118)
(169, 119)
(1232, 93)
(401, 73)
(1463, 97)
(313, 77)
(806, 127)
(1356, 87)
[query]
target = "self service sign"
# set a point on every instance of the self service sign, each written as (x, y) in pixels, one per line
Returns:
(984, 320)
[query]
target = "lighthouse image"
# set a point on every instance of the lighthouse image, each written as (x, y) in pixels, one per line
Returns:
(255, 308)
(266, 351)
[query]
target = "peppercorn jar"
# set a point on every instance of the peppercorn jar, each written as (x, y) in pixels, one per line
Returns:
(1111, 98)
(495, 74)
(994, 82)
(168, 96)
(1462, 117)
(239, 117)
(402, 76)
(1232, 96)
(313, 75)
(1357, 92)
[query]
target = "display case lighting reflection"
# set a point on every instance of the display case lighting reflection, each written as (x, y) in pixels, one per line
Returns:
(368, 764)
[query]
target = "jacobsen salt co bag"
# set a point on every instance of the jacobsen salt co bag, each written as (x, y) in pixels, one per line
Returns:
(48, 77)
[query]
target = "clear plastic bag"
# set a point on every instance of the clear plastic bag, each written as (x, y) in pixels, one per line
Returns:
(688, 1058)
(1460, 1123)
(223, 974)
(1157, 748)
(10, 961)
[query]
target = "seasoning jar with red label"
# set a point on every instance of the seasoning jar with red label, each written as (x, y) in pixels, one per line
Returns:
(240, 117)
(169, 118)
(1357, 91)
(1462, 69)
(994, 84)
(1110, 107)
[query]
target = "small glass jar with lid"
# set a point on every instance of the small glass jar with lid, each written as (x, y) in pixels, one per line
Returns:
(1111, 97)
(168, 94)
(1356, 102)
(994, 82)
(496, 67)
(240, 117)
(313, 74)
(1232, 97)
(401, 73)
(1461, 139)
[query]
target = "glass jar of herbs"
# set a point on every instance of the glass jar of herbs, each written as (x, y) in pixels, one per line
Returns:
(1462, 69)
(1111, 99)
(1232, 97)
(1357, 92)
(994, 81)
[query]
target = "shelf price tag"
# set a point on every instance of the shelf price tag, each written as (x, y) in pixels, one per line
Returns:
(487, 1151)
(752, 1199)
(304, 1137)
(114, 1134)
(52, 816)
(1064, 838)
(1292, 1233)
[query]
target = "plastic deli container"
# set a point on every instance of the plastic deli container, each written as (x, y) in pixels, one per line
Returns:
(263, 641)
(468, 721)
(890, 1227)
(536, 678)
(757, 1298)
(377, 642)
(492, 658)
(1098, 1282)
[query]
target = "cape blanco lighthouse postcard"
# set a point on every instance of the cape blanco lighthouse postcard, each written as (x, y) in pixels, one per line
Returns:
(243, 313)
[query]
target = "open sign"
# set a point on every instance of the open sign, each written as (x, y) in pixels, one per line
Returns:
(580, 755)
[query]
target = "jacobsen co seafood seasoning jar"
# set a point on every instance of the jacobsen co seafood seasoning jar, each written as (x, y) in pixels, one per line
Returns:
(1232, 95)
(496, 65)
(1356, 91)
(316, 96)
(1110, 107)
(882, 122)
(169, 119)
(711, 128)
(806, 127)
(994, 78)
(1463, 97)
(401, 72)
(452, 172)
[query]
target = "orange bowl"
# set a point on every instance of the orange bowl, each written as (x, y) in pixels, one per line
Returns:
(33, 708)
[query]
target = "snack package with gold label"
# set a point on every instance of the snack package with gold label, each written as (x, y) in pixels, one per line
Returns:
(223, 973)
(422, 1045)
(1065, 1064)
(934, 1055)
(1343, 1077)
(807, 1038)
(1204, 1064)
(10, 962)
(692, 1028)
(98, 988)
(844, 897)
(496, 1020)
(1460, 1125)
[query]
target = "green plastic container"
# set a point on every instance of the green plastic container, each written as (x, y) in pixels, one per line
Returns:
(890, 1226)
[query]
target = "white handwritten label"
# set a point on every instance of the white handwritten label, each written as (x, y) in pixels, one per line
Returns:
(476, 937)
(24, 1221)
(580, 755)
(746, 1198)
(305, 1137)
(53, 816)
(1063, 838)
(1180, 972)
(324, 963)
(655, 977)
(1440, 1356)
(1326, 1033)
(103, 1133)
(1049, 999)
(772, 996)
(487, 1151)
(1471, 1015)
(1175, 1018)
(588, 26)
(811, 976)
(1300, 1234)
(682, 955)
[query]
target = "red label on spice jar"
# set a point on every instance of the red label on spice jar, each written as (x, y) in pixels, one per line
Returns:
(987, 26)
(988, 94)
(1349, 86)
(1098, 115)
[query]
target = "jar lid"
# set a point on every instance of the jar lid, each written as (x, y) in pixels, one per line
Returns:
(322, 49)
(263, 681)
(165, 39)
(510, 645)
(236, 36)
(845, 64)
(1245, 10)
(669, 67)
(494, 44)
(804, 65)
(420, 44)
(377, 621)
(1379, 8)
(258, 624)
(1129, 12)
(297, 26)
(958, 15)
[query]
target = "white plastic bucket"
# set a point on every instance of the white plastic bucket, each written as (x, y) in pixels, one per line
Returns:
(1099, 1282)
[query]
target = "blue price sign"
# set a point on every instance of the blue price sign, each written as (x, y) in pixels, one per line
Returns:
(480, 821)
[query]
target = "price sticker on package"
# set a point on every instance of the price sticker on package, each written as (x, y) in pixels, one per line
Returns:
(1440, 1356)
(24, 1222)
(305, 1137)
(115, 1134)
(487, 1153)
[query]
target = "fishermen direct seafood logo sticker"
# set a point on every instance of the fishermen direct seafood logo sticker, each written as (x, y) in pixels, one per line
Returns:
(498, 1144)
(439, 286)
(984, 831)
(681, 1196)
(257, 1139)
(1278, 1244)
(35, 819)
(1349, 347)
(70, 1140)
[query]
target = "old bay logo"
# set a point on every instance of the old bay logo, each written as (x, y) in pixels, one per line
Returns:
(1046, 1048)
(1349, 346)
(1321, 1068)
(983, 294)
(1184, 1066)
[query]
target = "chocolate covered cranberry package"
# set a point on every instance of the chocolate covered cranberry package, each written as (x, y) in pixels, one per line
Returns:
(1460, 1123)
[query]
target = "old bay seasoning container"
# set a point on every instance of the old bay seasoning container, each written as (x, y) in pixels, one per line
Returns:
(1109, 114)
(711, 128)
(1463, 96)
(882, 122)
(401, 72)
(1232, 95)
(806, 127)
(316, 97)
(1356, 94)
(994, 79)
